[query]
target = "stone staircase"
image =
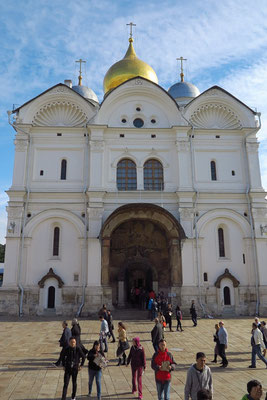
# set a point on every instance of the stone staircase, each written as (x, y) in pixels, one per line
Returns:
(129, 314)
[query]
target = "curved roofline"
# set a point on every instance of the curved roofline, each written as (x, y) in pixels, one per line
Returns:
(225, 91)
(52, 87)
(144, 79)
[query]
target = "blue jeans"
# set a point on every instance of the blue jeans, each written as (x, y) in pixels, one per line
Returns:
(256, 350)
(97, 375)
(163, 387)
(104, 344)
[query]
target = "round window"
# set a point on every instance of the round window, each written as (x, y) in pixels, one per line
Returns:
(153, 121)
(138, 122)
(138, 109)
(123, 121)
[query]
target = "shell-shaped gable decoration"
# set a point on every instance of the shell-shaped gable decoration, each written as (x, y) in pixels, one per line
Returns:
(60, 113)
(215, 116)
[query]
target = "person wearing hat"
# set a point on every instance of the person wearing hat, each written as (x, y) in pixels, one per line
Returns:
(223, 342)
(137, 359)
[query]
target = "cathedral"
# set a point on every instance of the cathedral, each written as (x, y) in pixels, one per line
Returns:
(151, 188)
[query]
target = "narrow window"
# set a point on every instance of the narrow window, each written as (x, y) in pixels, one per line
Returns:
(205, 276)
(221, 243)
(126, 175)
(41, 172)
(244, 259)
(213, 171)
(153, 175)
(226, 296)
(233, 173)
(56, 241)
(63, 173)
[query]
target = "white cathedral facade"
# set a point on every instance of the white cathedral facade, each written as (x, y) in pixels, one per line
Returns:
(152, 188)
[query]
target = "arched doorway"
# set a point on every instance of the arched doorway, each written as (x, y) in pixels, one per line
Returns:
(141, 246)
(51, 297)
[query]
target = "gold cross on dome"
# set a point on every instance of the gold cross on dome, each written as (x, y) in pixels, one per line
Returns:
(182, 68)
(131, 24)
(80, 61)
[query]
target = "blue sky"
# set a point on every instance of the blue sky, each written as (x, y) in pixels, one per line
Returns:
(225, 43)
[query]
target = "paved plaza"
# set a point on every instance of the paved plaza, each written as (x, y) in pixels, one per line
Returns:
(29, 347)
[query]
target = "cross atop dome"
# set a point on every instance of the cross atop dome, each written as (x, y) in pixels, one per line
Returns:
(80, 61)
(182, 68)
(131, 24)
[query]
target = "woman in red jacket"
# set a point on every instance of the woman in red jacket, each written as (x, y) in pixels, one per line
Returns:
(162, 363)
(137, 359)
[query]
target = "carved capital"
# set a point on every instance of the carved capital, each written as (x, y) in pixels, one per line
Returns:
(95, 213)
(183, 145)
(252, 147)
(186, 213)
(97, 145)
(21, 144)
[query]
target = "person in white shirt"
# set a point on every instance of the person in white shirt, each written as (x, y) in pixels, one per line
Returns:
(104, 330)
(257, 343)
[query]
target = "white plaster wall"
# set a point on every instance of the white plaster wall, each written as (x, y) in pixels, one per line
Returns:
(11, 262)
(188, 267)
(234, 249)
(94, 262)
(40, 257)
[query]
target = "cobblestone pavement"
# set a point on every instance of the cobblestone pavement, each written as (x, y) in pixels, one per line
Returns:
(29, 347)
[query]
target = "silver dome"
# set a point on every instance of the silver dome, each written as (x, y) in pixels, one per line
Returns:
(183, 89)
(86, 92)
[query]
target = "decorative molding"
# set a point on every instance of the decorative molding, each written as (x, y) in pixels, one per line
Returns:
(60, 113)
(227, 275)
(21, 144)
(182, 145)
(252, 147)
(57, 90)
(14, 212)
(215, 116)
(50, 274)
(97, 145)
(186, 213)
(95, 213)
(215, 93)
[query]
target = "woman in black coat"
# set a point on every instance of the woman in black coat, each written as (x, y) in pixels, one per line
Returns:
(94, 368)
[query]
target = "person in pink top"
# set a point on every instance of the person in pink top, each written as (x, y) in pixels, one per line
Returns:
(137, 359)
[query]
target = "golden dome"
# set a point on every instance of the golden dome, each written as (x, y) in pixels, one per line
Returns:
(127, 68)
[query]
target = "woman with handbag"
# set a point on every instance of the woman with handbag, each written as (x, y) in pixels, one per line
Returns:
(96, 362)
(137, 359)
(123, 343)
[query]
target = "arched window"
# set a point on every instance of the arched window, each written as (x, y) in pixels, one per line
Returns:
(226, 296)
(213, 171)
(126, 175)
(221, 242)
(56, 241)
(153, 175)
(63, 173)
(51, 297)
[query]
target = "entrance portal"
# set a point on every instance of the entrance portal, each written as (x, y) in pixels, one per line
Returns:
(141, 247)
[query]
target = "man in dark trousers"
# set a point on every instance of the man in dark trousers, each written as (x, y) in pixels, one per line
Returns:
(110, 326)
(193, 313)
(156, 334)
(63, 341)
(71, 362)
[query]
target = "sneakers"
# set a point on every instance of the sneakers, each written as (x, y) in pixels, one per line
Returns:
(251, 366)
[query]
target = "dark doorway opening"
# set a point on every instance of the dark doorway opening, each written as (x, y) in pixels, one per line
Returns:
(51, 297)
(227, 296)
(137, 276)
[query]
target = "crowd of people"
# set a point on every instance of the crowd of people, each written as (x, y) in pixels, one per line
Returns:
(199, 377)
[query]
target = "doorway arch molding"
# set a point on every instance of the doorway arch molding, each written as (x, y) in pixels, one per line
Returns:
(148, 212)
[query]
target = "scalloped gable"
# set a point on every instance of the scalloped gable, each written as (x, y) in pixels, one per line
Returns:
(217, 109)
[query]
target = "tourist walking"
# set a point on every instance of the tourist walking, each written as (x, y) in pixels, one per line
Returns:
(216, 340)
(198, 377)
(264, 332)
(156, 334)
(137, 359)
(72, 361)
(223, 343)
(110, 326)
(162, 320)
(76, 331)
(168, 316)
(63, 341)
(179, 317)
(193, 313)
(94, 368)
(123, 344)
(254, 389)
(162, 363)
(104, 331)
(257, 344)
